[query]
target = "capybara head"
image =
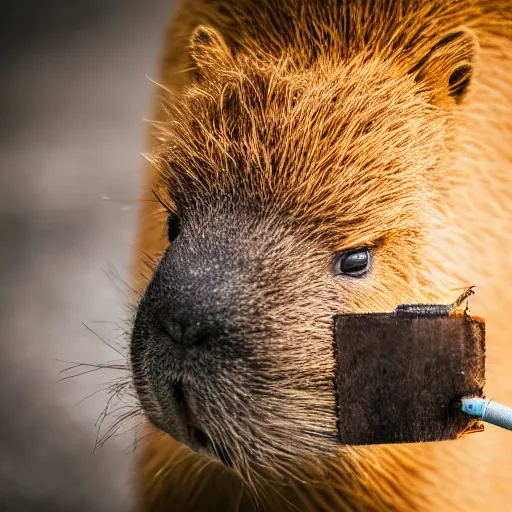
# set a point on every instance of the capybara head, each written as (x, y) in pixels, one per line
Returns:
(297, 190)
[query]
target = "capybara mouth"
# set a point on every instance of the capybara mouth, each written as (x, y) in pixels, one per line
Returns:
(199, 440)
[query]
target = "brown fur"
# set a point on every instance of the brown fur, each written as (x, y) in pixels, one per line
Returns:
(435, 173)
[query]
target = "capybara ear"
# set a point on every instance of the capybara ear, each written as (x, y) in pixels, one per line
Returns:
(208, 49)
(447, 67)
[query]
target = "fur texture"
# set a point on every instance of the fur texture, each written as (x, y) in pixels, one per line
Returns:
(287, 133)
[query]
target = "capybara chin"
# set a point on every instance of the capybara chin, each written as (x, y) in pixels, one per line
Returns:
(317, 157)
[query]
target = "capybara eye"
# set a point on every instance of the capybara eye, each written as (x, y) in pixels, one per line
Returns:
(173, 226)
(354, 262)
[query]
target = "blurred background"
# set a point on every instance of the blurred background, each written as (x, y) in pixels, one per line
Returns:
(74, 92)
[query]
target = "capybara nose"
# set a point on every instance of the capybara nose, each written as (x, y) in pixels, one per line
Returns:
(187, 334)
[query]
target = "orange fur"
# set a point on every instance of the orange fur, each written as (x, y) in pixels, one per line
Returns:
(429, 170)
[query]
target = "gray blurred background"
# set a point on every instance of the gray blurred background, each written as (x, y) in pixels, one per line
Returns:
(73, 94)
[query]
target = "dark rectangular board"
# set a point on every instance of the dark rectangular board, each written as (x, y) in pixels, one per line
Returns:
(399, 377)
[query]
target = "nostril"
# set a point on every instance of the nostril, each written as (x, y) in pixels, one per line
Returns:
(186, 335)
(174, 330)
(196, 337)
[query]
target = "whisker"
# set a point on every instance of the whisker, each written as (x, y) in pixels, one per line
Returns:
(167, 208)
(102, 339)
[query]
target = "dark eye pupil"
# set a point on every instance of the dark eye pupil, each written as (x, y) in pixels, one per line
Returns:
(356, 262)
(173, 226)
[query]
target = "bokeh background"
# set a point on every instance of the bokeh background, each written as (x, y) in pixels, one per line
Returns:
(73, 92)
